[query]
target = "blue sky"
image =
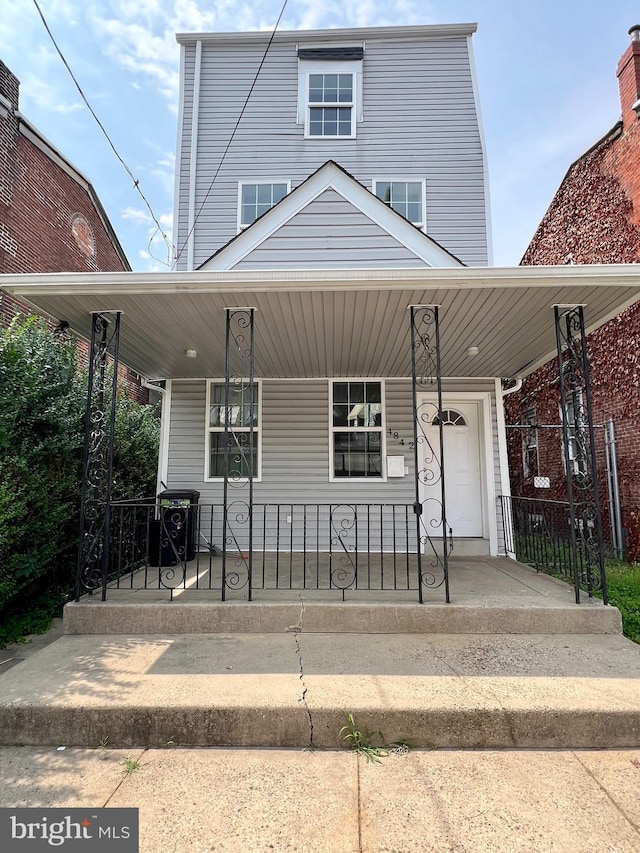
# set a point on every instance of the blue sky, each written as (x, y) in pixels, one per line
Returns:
(546, 75)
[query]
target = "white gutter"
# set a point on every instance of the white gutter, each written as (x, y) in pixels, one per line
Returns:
(165, 420)
(224, 281)
(503, 455)
(193, 153)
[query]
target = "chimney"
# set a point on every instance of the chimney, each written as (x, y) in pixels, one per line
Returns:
(629, 79)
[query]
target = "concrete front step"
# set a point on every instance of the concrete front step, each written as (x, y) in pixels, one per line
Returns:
(133, 615)
(296, 690)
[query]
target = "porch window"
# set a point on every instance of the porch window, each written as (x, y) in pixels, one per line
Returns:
(357, 430)
(240, 415)
(405, 197)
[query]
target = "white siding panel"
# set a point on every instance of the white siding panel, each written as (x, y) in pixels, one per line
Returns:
(295, 445)
(340, 236)
(419, 123)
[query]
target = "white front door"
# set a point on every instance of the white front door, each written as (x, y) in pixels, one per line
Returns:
(462, 480)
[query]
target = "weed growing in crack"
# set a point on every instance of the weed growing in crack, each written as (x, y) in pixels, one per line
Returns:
(130, 765)
(362, 741)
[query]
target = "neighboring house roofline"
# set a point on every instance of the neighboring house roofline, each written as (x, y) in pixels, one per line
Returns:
(421, 31)
(609, 136)
(30, 132)
(412, 237)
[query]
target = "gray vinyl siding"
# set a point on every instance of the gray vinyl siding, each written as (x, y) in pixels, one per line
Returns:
(330, 233)
(419, 122)
(295, 445)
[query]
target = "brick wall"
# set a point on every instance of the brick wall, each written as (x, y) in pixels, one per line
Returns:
(594, 218)
(48, 219)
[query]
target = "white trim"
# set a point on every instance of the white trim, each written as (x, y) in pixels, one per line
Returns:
(193, 158)
(324, 38)
(576, 276)
(176, 177)
(353, 67)
(482, 399)
(404, 180)
(330, 176)
(257, 183)
(209, 429)
(165, 435)
(382, 429)
(483, 146)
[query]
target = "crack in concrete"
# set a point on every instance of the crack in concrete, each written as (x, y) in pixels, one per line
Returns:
(609, 796)
(297, 629)
(121, 782)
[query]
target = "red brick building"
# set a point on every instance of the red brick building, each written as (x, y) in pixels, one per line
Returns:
(51, 219)
(594, 218)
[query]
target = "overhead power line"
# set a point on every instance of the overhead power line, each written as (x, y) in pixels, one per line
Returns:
(136, 182)
(233, 133)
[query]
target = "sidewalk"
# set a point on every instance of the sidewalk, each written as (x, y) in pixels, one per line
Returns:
(241, 801)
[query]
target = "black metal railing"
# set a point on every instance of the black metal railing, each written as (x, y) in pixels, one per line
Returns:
(539, 533)
(294, 546)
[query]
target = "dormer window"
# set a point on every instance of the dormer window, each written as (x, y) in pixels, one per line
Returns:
(330, 105)
(330, 91)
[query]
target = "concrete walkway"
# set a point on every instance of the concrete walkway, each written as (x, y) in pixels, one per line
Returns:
(258, 801)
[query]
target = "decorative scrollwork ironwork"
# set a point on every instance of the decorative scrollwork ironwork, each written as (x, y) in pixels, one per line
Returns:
(433, 570)
(585, 523)
(343, 526)
(239, 449)
(93, 550)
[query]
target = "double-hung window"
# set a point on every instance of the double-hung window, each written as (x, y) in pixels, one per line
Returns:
(530, 445)
(330, 91)
(331, 105)
(405, 197)
(257, 198)
(357, 430)
(239, 415)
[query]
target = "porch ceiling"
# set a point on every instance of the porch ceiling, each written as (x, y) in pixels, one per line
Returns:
(335, 322)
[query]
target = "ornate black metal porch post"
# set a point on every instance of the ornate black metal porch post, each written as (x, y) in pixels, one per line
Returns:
(429, 461)
(585, 521)
(239, 450)
(97, 468)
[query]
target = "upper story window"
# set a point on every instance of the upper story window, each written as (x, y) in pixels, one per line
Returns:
(330, 91)
(406, 197)
(256, 199)
(330, 105)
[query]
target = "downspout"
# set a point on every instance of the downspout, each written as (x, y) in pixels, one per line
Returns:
(193, 151)
(503, 456)
(165, 416)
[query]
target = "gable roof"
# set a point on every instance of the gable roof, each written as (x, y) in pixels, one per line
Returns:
(416, 244)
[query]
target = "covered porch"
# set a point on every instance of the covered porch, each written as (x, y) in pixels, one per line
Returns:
(438, 335)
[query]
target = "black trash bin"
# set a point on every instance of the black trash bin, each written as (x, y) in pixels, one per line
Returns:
(173, 536)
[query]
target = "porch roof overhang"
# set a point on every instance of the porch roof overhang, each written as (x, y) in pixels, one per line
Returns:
(351, 322)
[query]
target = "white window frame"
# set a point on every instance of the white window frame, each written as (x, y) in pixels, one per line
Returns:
(260, 183)
(306, 67)
(404, 180)
(382, 429)
(257, 432)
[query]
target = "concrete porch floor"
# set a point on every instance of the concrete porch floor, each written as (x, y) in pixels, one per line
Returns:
(488, 595)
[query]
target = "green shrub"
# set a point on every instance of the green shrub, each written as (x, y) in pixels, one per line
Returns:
(623, 586)
(42, 410)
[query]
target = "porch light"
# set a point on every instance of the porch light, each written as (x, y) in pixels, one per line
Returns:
(473, 351)
(191, 353)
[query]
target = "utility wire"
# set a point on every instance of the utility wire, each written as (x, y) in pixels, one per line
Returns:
(231, 138)
(136, 182)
